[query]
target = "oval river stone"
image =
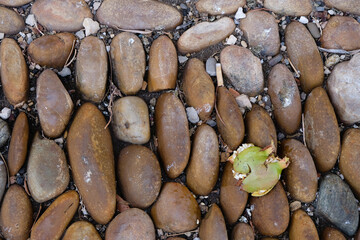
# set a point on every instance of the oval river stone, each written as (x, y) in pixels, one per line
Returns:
(11, 22)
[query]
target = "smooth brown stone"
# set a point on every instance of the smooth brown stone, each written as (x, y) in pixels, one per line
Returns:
(19, 144)
(219, 7)
(242, 231)
(14, 3)
(61, 15)
(81, 230)
(172, 133)
(92, 161)
(54, 104)
(128, 62)
(341, 33)
(271, 212)
(3, 178)
(305, 56)
(229, 119)
(262, 32)
(351, 6)
(14, 72)
(213, 226)
(176, 210)
(163, 65)
(11, 22)
(285, 97)
(47, 170)
(139, 175)
(302, 227)
(203, 170)
(52, 50)
(53, 222)
(198, 88)
(243, 70)
(131, 120)
(289, 7)
(332, 234)
(205, 34)
(357, 235)
(91, 69)
(322, 133)
(131, 224)
(232, 199)
(300, 175)
(349, 162)
(260, 128)
(16, 214)
(124, 14)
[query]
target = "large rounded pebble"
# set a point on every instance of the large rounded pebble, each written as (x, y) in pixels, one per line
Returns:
(131, 120)
(213, 226)
(52, 50)
(242, 231)
(352, 6)
(139, 175)
(301, 175)
(229, 119)
(305, 56)
(198, 88)
(271, 212)
(4, 133)
(47, 170)
(205, 34)
(203, 170)
(3, 178)
(262, 32)
(18, 144)
(91, 69)
(16, 214)
(344, 90)
(128, 61)
(14, 72)
(11, 22)
(232, 199)
(322, 134)
(163, 65)
(285, 98)
(349, 162)
(14, 3)
(138, 14)
(302, 227)
(332, 234)
(61, 15)
(81, 230)
(289, 7)
(92, 161)
(341, 33)
(53, 222)
(131, 224)
(243, 69)
(172, 131)
(219, 7)
(176, 210)
(54, 104)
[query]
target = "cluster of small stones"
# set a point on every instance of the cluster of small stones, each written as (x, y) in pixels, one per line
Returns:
(113, 124)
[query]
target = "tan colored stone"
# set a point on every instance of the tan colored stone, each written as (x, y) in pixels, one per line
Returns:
(176, 210)
(81, 230)
(213, 226)
(302, 227)
(92, 162)
(351, 6)
(242, 231)
(53, 222)
(305, 56)
(163, 65)
(203, 170)
(219, 7)
(322, 133)
(198, 88)
(285, 97)
(11, 22)
(61, 15)
(128, 62)
(172, 131)
(289, 7)
(14, 3)
(54, 104)
(205, 34)
(332, 234)
(14, 72)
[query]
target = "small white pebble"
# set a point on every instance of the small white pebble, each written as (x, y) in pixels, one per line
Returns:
(80, 34)
(182, 59)
(2, 35)
(252, 99)
(192, 115)
(30, 20)
(327, 71)
(231, 40)
(331, 12)
(240, 13)
(243, 44)
(5, 113)
(65, 72)
(303, 20)
(108, 48)
(283, 48)
(29, 38)
(91, 26)
(96, 5)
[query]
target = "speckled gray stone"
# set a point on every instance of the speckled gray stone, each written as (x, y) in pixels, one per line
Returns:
(4, 133)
